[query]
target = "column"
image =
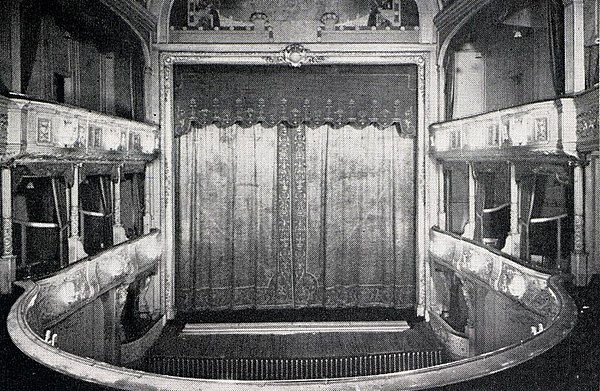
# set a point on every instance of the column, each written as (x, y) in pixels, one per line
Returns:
(589, 201)
(76, 250)
(148, 183)
(441, 196)
(470, 227)
(119, 235)
(8, 261)
(574, 46)
(513, 241)
(578, 257)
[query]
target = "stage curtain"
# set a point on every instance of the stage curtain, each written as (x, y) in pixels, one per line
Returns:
(225, 210)
(360, 201)
(283, 217)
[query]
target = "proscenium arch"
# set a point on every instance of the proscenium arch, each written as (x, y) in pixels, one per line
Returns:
(427, 11)
(255, 55)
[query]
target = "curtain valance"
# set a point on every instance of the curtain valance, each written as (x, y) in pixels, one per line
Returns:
(337, 95)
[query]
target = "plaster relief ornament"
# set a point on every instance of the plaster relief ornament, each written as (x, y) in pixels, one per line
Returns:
(296, 55)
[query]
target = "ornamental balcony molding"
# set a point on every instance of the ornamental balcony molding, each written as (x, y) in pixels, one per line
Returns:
(536, 312)
(43, 129)
(521, 132)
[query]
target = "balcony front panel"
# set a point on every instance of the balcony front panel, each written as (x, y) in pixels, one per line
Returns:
(42, 129)
(523, 132)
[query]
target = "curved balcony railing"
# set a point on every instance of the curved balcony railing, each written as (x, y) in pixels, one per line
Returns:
(37, 128)
(539, 128)
(534, 295)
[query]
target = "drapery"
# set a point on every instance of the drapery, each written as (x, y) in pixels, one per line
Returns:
(492, 203)
(556, 43)
(283, 216)
(312, 95)
(40, 225)
(95, 200)
(132, 204)
(545, 221)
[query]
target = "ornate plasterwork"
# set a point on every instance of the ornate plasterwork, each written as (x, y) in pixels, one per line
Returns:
(294, 55)
(499, 273)
(75, 286)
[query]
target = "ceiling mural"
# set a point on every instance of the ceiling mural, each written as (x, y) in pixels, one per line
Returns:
(214, 14)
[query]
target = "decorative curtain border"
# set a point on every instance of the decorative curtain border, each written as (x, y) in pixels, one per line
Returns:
(337, 115)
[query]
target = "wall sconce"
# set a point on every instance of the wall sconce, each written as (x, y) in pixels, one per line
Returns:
(518, 34)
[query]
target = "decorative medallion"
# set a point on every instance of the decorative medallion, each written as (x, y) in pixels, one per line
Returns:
(294, 55)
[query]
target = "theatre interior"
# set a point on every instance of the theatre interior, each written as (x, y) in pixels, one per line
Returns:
(299, 195)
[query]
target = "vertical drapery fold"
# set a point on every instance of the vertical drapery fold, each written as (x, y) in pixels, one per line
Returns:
(225, 213)
(272, 217)
(361, 216)
(556, 43)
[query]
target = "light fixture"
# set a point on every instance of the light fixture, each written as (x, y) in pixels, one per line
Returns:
(518, 34)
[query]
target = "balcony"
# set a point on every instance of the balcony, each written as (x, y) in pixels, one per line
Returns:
(532, 313)
(37, 129)
(542, 129)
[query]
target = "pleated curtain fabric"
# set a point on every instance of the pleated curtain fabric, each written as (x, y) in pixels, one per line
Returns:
(285, 217)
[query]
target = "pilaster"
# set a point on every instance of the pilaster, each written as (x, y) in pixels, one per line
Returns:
(119, 235)
(76, 250)
(470, 227)
(579, 264)
(513, 241)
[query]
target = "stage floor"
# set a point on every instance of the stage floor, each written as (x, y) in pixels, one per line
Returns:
(295, 333)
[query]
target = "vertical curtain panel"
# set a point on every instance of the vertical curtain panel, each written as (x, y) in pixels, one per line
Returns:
(284, 217)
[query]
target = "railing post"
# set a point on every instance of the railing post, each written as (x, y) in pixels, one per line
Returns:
(8, 261)
(76, 250)
(119, 235)
(513, 241)
(578, 257)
